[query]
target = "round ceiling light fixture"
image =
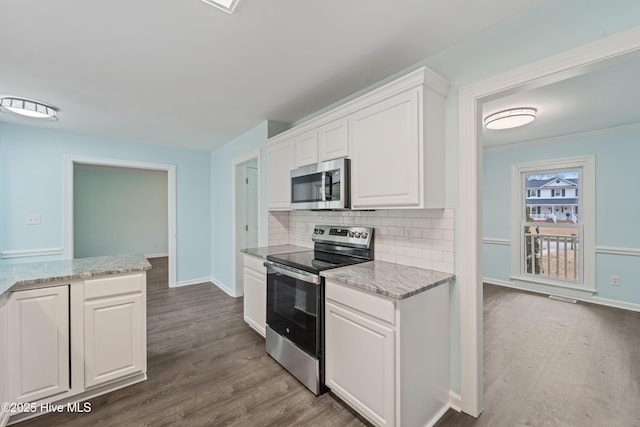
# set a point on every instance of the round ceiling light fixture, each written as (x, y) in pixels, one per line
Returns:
(511, 118)
(28, 108)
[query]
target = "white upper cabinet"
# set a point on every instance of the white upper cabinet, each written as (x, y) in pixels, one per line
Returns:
(306, 149)
(394, 136)
(332, 140)
(280, 161)
(385, 169)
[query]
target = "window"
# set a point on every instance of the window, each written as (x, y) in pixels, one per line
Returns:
(555, 244)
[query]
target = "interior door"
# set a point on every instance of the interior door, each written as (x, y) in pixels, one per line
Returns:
(251, 207)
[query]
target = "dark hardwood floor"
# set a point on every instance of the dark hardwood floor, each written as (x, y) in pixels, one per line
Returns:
(552, 363)
(206, 367)
(547, 363)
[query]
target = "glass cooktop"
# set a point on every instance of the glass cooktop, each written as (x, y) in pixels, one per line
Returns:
(314, 261)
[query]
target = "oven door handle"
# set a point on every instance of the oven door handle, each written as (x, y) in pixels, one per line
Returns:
(298, 274)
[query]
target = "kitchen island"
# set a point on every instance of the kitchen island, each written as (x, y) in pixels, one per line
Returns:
(70, 330)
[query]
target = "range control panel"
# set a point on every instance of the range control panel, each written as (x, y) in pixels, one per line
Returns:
(343, 235)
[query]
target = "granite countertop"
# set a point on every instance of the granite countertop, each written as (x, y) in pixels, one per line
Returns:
(14, 276)
(263, 251)
(392, 280)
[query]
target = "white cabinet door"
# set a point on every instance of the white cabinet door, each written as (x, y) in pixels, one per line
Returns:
(4, 359)
(387, 153)
(113, 338)
(114, 328)
(279, 165)
(360, 363)
(332, 140)
(39, 337)
(306, 149)
(255, 299)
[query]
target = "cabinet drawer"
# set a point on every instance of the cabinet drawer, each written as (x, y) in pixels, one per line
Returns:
(113, 285)
(254, 263)
(364, 302)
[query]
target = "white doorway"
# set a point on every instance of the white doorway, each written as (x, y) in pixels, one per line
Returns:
(470, 275)
(246, 211)
(72, 161)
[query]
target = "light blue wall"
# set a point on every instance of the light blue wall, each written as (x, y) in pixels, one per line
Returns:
(31, 171)
(119, 211)
(617, 205)
(222, 175)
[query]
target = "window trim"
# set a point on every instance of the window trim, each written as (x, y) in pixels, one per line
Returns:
(587, 164)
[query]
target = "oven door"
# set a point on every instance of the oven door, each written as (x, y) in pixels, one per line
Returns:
(294, 306)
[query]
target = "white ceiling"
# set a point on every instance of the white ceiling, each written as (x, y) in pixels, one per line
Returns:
(183, 73)
(603, 97)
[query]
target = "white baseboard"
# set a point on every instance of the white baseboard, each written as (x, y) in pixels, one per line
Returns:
(25, 253)
(221, 285)
(455, 401)
(438, 415)
(567, 294)
(195, 281)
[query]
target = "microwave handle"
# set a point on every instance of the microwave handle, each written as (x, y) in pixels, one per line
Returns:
(323, 183)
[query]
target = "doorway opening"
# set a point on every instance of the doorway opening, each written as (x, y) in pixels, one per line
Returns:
(120, 207)
(472, 98)
(246, 207)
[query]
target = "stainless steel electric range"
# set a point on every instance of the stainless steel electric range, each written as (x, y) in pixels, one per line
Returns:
(295, 298)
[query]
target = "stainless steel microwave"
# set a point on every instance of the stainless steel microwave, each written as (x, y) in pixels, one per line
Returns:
(321, 186)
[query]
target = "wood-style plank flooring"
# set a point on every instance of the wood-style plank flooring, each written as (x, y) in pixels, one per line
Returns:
(552, 363)
(206, 367)
(547, 363)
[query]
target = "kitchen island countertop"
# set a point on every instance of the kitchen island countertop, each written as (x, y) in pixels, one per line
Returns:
(391, 280)
(15, 276)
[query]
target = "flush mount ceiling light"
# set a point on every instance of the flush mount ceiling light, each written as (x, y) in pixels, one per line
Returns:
(226, 5)
(28, 107)
(510, 118)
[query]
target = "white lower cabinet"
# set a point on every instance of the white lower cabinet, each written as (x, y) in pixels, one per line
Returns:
(72, 341)
(388, 359)
(4, 359)
(360, 362)
(39, 343)
(255, 293)
(114, 328)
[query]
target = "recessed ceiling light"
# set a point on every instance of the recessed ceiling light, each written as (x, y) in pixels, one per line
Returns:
(28, 107)
(226, 5)
(510, 118)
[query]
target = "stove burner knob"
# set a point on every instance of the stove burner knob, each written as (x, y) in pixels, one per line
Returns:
(288, 331)
(357, 234)
(321, 231)
(351, 234)
(364, 235)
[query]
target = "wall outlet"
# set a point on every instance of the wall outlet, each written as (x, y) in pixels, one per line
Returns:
(33, 219)
(615, 280)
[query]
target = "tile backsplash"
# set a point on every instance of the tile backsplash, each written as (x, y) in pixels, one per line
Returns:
(417, 237)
